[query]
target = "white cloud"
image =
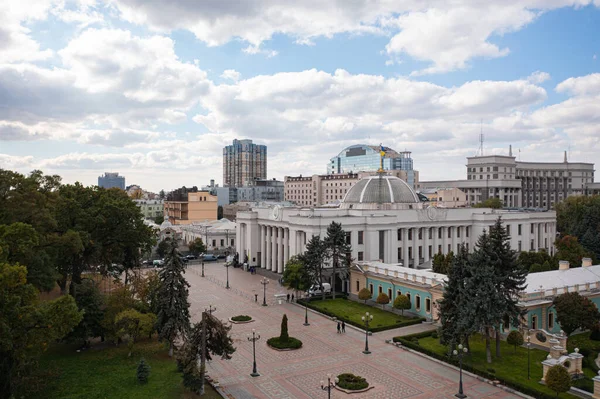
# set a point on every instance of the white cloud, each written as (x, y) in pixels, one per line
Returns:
(231, 74)
(584, 85)
(538, 77)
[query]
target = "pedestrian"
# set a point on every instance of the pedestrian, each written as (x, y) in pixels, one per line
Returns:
(343, 326)
(339, 327)
(288, 298)
(292, 297)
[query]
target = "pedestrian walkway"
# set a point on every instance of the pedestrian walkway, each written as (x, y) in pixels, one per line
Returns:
(395, 373)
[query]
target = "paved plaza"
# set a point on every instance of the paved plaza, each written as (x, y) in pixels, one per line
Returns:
(395, 373)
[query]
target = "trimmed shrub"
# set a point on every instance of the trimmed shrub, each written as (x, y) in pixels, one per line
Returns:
(352, 382)
(383, 299)
(515, 338)
(365, 294)
(290, 343)
(558, 379)
(434, 335)
(143, 371)
(402, 302)
(284, 336)
(241, 318)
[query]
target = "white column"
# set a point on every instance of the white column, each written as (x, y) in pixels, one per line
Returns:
(269, 260)
(405, 260)
(453, 230)
(273, 249)
(281, 254)
(444, 240)
(434, 233)
(261, 244)
(415, 244)
(286, 246)
(426, 243)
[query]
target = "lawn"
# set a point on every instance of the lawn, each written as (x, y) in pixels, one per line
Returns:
(109, 373)
(511, 366)
(352, 312)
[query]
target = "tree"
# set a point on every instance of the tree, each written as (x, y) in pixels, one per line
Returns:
(365, 294)
(510, 277)
(402, 302)
(284, 336)
(558, 379)
(579, 216)
(161, 194)
(145, 290)
(219, 212)
(173, 305)
(218, 342)
(163, 247)
(118, 300)
(494, 203)
(91, 302)
(159, 219)
(568, 248)
(313, 259)
(441, 263)
(574, 311)
(134, 324)
(27, 325)
(383, 299)
(336, 249)
(454, 318)
(515, 338)
(528, 259)
(536, 268)
(197, 247)
(143, 371)
(295, 275)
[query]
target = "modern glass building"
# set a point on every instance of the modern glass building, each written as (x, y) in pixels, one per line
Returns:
(110, 180)
(366, 158)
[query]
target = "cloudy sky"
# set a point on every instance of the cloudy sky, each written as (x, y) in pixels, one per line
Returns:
(155, 89)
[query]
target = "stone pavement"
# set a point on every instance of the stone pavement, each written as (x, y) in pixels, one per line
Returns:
(395, 373)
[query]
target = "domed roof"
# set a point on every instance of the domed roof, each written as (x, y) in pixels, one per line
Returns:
(380, 190)
(165, 224)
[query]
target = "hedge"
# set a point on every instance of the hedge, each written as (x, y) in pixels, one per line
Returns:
(291, 343)
(418, 320)
(405, 341)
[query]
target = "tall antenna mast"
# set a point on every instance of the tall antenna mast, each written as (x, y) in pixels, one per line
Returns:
(481, 139)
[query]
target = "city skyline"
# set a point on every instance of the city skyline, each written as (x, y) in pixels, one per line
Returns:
(174, 91)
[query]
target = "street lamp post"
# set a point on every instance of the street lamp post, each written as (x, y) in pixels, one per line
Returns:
(227, 268)
(210, 309)
(306, 323)
(460, 353)
(255, 337)
(264, 283)
(528, 356)
(366, 319)
(202, 267)
(329, 386)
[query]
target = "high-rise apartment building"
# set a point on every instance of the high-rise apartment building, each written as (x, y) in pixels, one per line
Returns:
(521, 184)
(244, 162)
(367, 158)
(110, 180)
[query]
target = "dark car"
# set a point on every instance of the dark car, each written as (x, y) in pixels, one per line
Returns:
(191, 257)
(221, 256)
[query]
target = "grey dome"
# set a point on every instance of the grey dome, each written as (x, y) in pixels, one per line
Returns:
(380, 190)
(166, 224)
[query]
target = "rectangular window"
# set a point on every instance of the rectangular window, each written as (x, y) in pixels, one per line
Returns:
(399, 234)
(348, 237)
(440, 233)
(429, 232)
(357, 285)
(360, 255)
(467, 231)
(232, 243)
(361, 237)
(371, 288)
(550, 321)
(428, 305)
(380, 289)
(410, 234)
(508, 229)
(519, 229)
(519, 246)
(420, 252)
(429, 252)
(399, 253)
(417, 302)
(389, 294)
(222, 242)
(410, 251)
(382, 245)
(214, 242)
(420, 234)
(532, 228)
(458, 232)
(531, 246)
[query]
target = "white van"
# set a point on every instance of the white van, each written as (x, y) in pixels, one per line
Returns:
(316, 290)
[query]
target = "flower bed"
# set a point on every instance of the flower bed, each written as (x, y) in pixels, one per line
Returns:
(290, 344)
(352, 382)
(241, 318)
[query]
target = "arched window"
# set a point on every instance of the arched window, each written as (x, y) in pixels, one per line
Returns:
(417, 302)
(550, 321)
(534, 322)
(428, 305)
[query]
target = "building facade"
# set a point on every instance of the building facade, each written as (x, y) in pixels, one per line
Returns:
(199, 206)
(385, 221)
(262, 190)
(445, 197)
(217, 235)
(111, 180)
(520, 184)
(151, 209)
(244, 162)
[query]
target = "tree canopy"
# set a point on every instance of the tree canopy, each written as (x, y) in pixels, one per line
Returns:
(197, 246)
(574, 311)
(579, 216)
(337, 251)
(401, 302)
(295, 275)
(494, 203)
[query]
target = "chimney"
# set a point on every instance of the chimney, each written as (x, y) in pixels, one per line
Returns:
(510, 150)
(565, 160)
(563, 265)
(586, 262)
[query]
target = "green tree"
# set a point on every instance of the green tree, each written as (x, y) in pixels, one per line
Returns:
(119, 299)
(579, 216)
(558, 379)
(163, 247)
(510, 277)
(494, 203)
(143, 371)
(219, 212)
(27, 325)
(284, 336)
(91, 302)
(441, 263)
(295, 275)
(515, 338)
(536, 268)
(402, 302)
(159, 219)
(134, 324)
(383, 299)
(145, 290)
(162, 194)
(337, 250)
(456, 326)
(218, 342)
(568, 248)
(528, 259)
(365, 294)
(173, 304)
(313, 259)
(197, 247)
(574, 311)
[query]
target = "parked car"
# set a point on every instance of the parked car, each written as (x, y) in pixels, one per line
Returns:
(221, 256)
(316, 290)
(209, 257)
(191, 257)
(158, 262)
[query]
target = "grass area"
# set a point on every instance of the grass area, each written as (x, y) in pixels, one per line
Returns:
(510, 367)
(351, 311)
(589, 349)
(109, 373)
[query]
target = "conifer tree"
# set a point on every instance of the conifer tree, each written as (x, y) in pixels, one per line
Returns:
(173, 306)
(143, 371)
(313, 259)
(337, 250)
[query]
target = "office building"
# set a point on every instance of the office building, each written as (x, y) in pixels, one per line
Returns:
(244, 162)
(521, 184)
(261, 190)
(185, 206)
(111, 180)
(151, 209)
(384, 220)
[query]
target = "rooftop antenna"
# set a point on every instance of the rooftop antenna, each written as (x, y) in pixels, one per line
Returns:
(481, 139)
